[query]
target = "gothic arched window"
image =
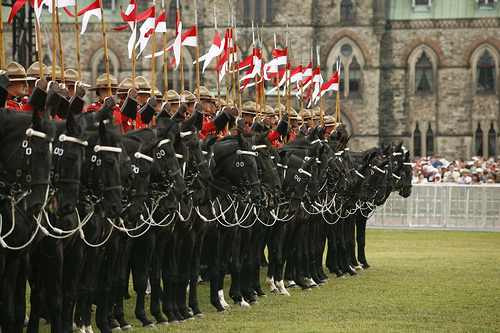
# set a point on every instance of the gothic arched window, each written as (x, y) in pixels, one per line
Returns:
(346, 11)
(172, 10)
(258, 10)
(354, 76)
(492, 142)
(269, 10)
(423, 74)
(485, 73)
(478, 149)
(417, 142)
(429, 142)
(247, 11)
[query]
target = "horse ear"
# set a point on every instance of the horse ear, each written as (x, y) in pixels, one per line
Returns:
(321, 150)
(211, 141)
(36, 120)
(262, 137)
(407, 155)
(71, 125)
(241, 139)
(103, 131)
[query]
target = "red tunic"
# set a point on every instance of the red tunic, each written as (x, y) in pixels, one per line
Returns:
(207, 128)
(274, 138)
(14, 103)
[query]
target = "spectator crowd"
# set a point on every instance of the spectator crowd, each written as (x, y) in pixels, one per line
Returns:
(438, 170)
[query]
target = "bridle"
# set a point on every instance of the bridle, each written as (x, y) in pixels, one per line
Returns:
(17, 189)
(96, 165)
(56, 175)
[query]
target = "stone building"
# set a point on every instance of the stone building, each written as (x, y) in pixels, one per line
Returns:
(422, 71)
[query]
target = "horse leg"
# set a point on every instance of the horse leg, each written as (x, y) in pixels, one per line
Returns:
(36, 286)
(260, 245)
(343, 250)
(193, 278)
(351, 241)
(7, 315)
(184, 262)
(361, 240)
(122, 282)
(236, 267)
(212, 254)
(155, 281)
(299, 258)
(247, 258)
(20, 294)
(104, 283)
(142, 252)
(225, 251)
(320, 249)
(53, 286)
(72, 268)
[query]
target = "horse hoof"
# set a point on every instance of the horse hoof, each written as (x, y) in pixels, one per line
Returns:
(199, 315)
(367, 267)
(263, 296)
(285, 293)
(175, 321)
(152, 326)
(324, 280)
(116, 329)
(222, 311)
(88, 329)
(340, 277)
(244, 304)
(254, 303)
(164, 323)
(307, 289)
(274, 291)
(358, 268)
(127, 328)
(190, 318)
(77, 329)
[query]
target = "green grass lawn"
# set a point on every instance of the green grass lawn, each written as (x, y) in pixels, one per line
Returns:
(421, 281)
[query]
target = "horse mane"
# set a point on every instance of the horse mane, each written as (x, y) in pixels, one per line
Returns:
(298, 143)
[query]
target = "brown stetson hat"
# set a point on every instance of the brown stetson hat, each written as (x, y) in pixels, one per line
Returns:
(58, 73)
(249, 108)
(277, 109)
(204, 93)
(125, 86)
(269, 111)
(187, 97)
(328, 120)
(102, 82)
(158, 94)
(71, 77)
(294, 115)
(34, 69)
(306, 114)
(17, 72)
(143, 84)
(173, 97)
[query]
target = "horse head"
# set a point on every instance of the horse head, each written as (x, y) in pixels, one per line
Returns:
(25, 157)
(68, 159)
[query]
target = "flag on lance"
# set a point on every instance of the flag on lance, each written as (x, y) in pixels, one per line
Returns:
(149, 24)
(92, 10)
(331, 85)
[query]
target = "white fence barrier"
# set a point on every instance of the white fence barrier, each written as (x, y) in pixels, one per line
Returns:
(445, 206)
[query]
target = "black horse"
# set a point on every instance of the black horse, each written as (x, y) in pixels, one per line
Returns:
(25, 159)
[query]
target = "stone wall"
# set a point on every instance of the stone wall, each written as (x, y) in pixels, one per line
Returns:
(386, 108)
